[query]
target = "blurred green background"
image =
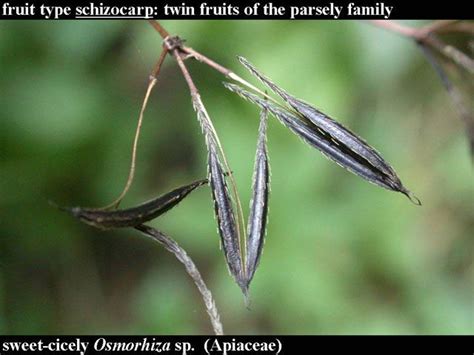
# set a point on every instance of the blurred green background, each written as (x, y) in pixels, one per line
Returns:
(341, 255)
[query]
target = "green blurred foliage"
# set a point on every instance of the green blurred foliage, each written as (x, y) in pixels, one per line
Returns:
(341, 255)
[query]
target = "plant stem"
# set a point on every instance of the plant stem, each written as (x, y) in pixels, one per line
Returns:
(426, 36)
(209, 62)
(160, 29)
(464, 112)
(192, 270)
(397, 28)
(428, 41)
(151, 84)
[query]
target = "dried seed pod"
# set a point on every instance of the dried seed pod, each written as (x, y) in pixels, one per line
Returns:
(136, 215)
(330, 146)
(225, 217)
(228, 229)
(259, 204)
(331, 127)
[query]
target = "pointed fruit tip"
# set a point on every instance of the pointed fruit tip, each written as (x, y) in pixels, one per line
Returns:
(411, 196)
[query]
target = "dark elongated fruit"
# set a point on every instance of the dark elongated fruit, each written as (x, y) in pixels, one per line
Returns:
(134, 216)
(331, 127)
(225, 217)
(259, 205)
(227, 226)
(380, 174)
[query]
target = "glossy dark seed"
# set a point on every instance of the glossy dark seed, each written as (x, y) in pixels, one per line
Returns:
(259, 204)
(134, 216)
(225, 217)
(331, 127)
(331, 147)
(228, 229)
